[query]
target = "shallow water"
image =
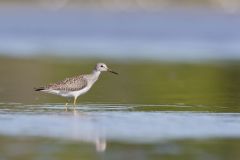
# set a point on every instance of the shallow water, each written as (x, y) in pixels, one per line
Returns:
(110, 128)
(100, 122)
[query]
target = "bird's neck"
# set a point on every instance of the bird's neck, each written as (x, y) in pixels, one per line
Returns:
(95, 74)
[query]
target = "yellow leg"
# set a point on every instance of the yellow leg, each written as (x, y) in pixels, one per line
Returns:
(66, 109)
(74, 102)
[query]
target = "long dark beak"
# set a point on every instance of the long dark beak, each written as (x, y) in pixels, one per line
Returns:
(109, 70)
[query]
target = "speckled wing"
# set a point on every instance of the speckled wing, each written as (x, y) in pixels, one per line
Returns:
(68, 84)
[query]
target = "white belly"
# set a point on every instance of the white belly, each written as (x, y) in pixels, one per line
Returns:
(78, 93)
(68, 93)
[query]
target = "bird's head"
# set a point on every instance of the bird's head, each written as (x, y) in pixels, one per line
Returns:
(103, 67)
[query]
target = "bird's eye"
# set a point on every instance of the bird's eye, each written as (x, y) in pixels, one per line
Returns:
(101, 65)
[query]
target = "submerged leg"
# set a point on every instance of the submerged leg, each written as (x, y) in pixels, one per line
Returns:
(66, 109)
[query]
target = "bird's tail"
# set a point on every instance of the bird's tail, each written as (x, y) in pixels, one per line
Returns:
(39, 89)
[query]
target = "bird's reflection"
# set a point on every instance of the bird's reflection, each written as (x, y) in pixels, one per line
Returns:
(94, 134)
(101, 144)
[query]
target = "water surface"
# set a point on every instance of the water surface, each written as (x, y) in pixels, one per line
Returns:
(109, 128)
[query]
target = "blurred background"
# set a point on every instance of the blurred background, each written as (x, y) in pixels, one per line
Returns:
(167, 51)
(136, 29)
(172, 55)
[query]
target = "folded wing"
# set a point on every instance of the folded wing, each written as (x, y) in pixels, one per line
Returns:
(68, 84)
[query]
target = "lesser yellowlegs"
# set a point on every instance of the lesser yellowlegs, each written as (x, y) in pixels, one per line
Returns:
(75, 86)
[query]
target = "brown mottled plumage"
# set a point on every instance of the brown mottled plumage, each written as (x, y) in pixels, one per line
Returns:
(69, 84)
